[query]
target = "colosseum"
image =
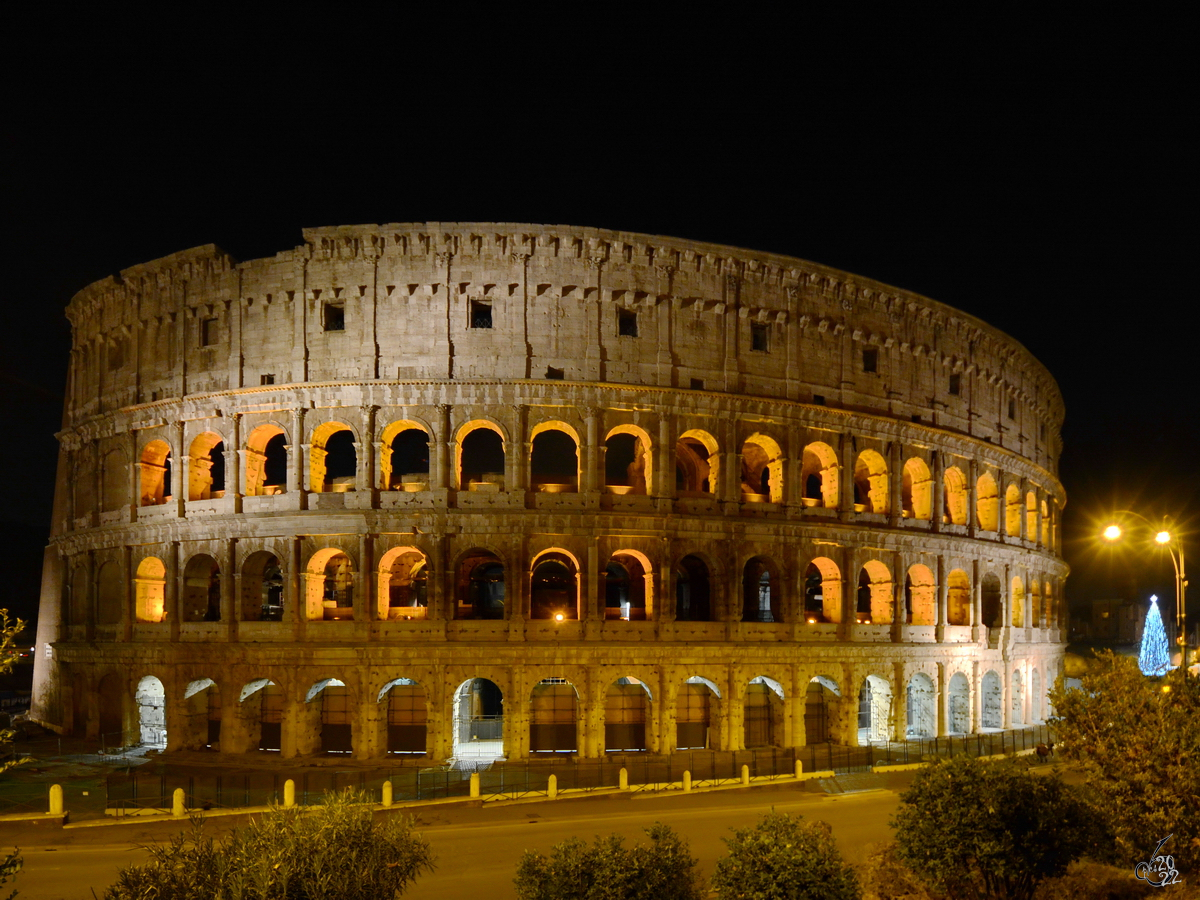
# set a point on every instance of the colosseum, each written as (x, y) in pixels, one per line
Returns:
(425, 492)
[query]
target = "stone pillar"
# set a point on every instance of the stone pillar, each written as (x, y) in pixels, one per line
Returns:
(899, 721)
(367, 588)
(127, 608)
(976, 698)
(180, 463)
(972, 499)
(517, 451)
(846, 461)
(171, 589)
(664, 477)
(938, 504)
(297, 460)
(942, 706)
(896, 484)
(441, 454)
(235, 466)
(943, 598)
(367, 478)
(591, 454)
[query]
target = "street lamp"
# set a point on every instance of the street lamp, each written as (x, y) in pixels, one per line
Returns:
(1164, 537)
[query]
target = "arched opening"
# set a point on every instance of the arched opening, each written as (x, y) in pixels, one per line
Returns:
(1012, 511)
(820, 708)
(822, 591)
(693, 714)
(553, 706)
(874, 598)
(990, 601)
(920, 596)
(337, 728)
(958, 598)
(1018, 699)
(819, 476)
(404, 462)
(921, 707)
(627, 461)
(1031, 516)
(692, 591)
(958, 701)
(762, 714)
(1048, 614)
(330, 586)
(403, 584)
(871, 482)
(266, 461)
(956, 496)
(626, 586)
(762, 470)
(114, 482)
(80, 590)
(874, 710)
(992, 701)
(262, 588)
(1044, 538)
(987, 503)
(111, 713)
(407, 717)
(262, 707)
(155, 467)
(554, 588)
(151, 699)
(149, 589)
(761, 600)
(206, 467)
(481, 460)
(554, 462)
(110, 599)
(696, 464)
(478, 720)
(201, 600)
(1017, 598)
(332, 459)
(626, 712)
(204, 713)
(479, 586)
(916, 490)
(1036, 712)
(1035, 603)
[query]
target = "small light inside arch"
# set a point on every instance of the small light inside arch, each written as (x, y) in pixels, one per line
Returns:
(558, 617)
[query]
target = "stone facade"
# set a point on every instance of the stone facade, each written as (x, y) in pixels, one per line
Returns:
(660, 494)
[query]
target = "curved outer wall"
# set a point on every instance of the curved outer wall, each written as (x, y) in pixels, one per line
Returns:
(861, 481)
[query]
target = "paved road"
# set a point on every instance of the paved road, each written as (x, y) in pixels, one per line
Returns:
(478, 849)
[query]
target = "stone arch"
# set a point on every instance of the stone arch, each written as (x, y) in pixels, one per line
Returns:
(762, 469)
(479, 584)
(958, 704)
(916, 490)
(920, 707)
(150, 590)
(202, 703)
(991, 601)
(628, 460)
(260, 706)
(956, 496)
(554, 586)
(991, 700)
(1017, 706)
(628, 586)
(871, 482)
(151, 699)
(407, 717)
(329, 702)
(694, 713)
(819, 476)
(958, 598)
(111, 698)
(155, 466)
(822, 591)
(920, 596)
(1044, 536)
(1017, 599)
(553, 716)
(554, 458)
(1048, 610)
(110, 594)
(626, 715)
(201, 599)
(693, 590)
(262, 588)
(332, 458)
(1035, 603)
(874, 710)
(266, 461)
(1036, 711)
(403, 584)
(480, 455)
(404, 456)
(874, 604)
(987, 503)
(206, 467)
(762, 713)
(478, 720)
(1031, 516)
(822, 701)
(697, 464)
(329, 585)
(114, 481)
(762, 594)
(1012, 511)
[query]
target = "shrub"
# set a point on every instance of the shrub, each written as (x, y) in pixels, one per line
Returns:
(886, 878)
(332, 852)
(10, 630)
(783, 857)
(989, 830)
(607, 870)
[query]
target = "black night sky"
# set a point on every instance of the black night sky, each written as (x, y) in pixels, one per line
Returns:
(1052, 196)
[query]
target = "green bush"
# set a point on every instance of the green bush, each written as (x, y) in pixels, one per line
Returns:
(782, 857)
(989, 829)
(332, 852)
(607, 870)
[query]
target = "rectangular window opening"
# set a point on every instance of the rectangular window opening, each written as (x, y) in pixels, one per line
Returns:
(955, 384)
(208, 332)
(1012, 409)
(266, 379)
(760, 337)
(481, 314)
(335, 317)
(818, 400)
(553, 374)
(697, 384)
(627, 323)
(870, 359)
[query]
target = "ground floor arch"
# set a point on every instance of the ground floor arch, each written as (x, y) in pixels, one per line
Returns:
(478, 720)
(151, 699)
(626, 715)
(553, 717)
(920, 703)
(202, 714)
(762, 714)
(958, 704)
(821, 699)
(874, 710)
(694, 713)
(407, 717)
(991, 701)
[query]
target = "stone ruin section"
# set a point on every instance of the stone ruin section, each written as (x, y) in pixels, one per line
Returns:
(437, 491)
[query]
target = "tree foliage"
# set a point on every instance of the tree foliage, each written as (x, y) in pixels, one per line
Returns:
(607, 870)
(332, 852)
(1137, 740)
(10, 630)
(989, 829)
(782, 857)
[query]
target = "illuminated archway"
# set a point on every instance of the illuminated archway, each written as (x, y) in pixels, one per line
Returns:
(155, 465)
(628, 462)
(871, 482)
(920, 596)
(956, 496)
(697, 464)
(266, 461)
(762, 469)
(822, 591)
(987, 503)
(819, 476)
(916, 490)
(206, 467)
(403, 581)
(149, 586)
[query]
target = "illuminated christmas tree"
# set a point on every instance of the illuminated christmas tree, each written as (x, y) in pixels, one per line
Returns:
(1155, 658)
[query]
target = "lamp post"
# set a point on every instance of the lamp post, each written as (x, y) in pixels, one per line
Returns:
(1165, 537)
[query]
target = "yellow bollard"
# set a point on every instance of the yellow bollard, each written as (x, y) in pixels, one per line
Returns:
(745, 774)
(289, 793)
(799, 768)
(177, 809)
(387, 793)
(56, 800)
(687, 781)
(474, 784)
(624, 779)
(552, 786)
